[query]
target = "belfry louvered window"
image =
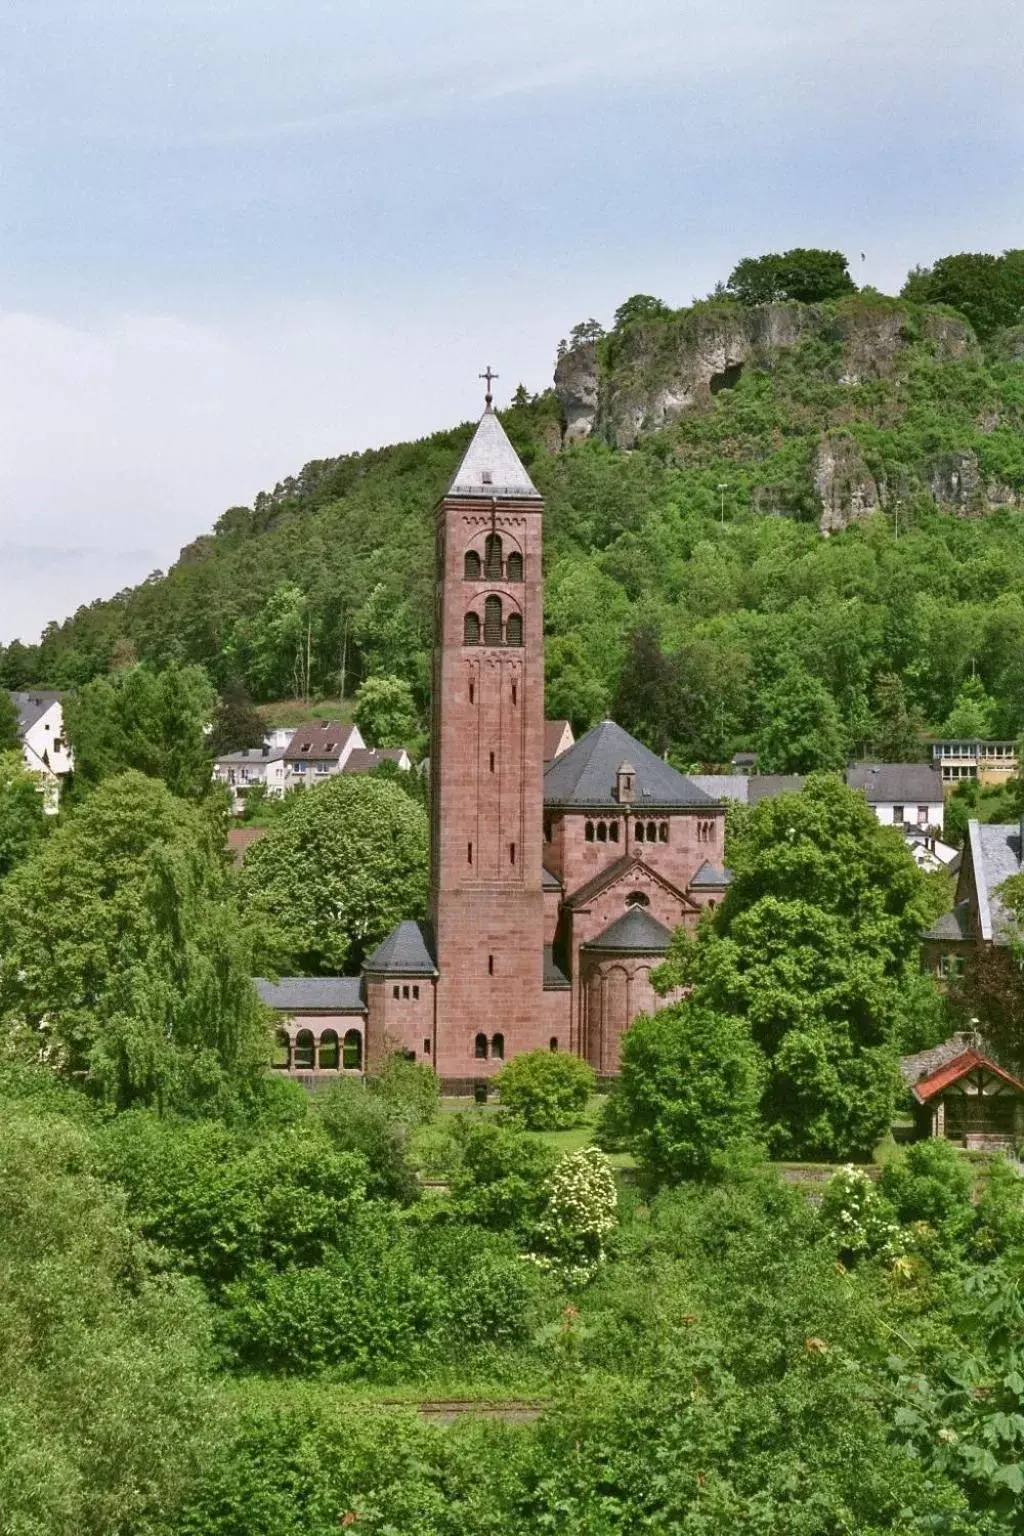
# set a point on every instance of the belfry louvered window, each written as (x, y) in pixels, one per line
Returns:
(492, 557)
(514, 566)
(471, 566)
(471, 633)
(492, 621)
(514, 629)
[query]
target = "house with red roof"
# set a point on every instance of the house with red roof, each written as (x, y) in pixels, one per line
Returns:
(960, 1094)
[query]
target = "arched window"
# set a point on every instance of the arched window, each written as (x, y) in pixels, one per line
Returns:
(480, 1048)
(663, 832)
(638, 832)
(652, 832)
(282, 1050)
(498, 1047)
(352, 1051)
(492, 557)
(492, 621)
(588, 832)
(327, 1054)
(613, 832)
(553, 1043)
(637, 899)
(514, 629)
(514, 566)
(305, 1051)
(602, 832)
(471, 566)
(471, 631)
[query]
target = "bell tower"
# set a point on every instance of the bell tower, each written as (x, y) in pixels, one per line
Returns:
(487, 760)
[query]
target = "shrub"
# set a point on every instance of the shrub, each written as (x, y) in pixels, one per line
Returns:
(408, 1090)
(930, 1182)
(858, 1219)
(546, 1090)
(499, 1182)
(358, 1121)
(580, 1213)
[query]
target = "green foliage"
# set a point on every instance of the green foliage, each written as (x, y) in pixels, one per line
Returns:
(237, 723)
(857, 1218)
(988, 289)
(546, 1090)
(340, 865)
(580, 1212)
(122, 957)
(10, 735)
(898, 725)
(686, 1103)
(801, 730)
(361, 1122)
(385, 712)
(642, 306)
(144, 721)
(801, 276)
(930, 1182)
(973, 712)
(408, 1091)
(500, 1178)
(23, 819)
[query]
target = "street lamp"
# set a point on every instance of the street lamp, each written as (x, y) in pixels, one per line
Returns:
(722, 488)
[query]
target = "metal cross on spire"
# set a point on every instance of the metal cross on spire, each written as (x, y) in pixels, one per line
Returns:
(490, 376)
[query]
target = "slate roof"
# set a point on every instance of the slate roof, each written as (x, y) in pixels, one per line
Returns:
(313, 994)
(585, 775)
(555, 979)
(323, 741)
(550, 882)
(491, 466)
(407, 951)
(995, 856)
(723, 786)
(636, 932)
(32, 706)
(765, 786)
(924, 1063)
(952, 925)
(928, 1087)
(252, 755)
(897, 783)
(710, 877)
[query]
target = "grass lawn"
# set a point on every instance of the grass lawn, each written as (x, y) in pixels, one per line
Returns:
(298, 712)
(572, 1140)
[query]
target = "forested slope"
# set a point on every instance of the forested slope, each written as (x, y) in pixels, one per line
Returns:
(689, 585)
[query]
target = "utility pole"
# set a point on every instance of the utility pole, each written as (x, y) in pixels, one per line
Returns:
(722, 488)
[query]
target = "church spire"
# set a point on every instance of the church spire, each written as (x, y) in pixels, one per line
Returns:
(491, 467)
(490, 376)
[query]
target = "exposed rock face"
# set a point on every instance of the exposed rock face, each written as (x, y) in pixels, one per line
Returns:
(844, 485)
(576, 385)
(956, 482)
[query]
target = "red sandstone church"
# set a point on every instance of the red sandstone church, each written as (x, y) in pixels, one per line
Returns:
(553, 891)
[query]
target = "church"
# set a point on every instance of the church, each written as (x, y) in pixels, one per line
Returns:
(553, 891)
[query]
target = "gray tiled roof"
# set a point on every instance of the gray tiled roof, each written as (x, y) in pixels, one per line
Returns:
(549, 881)
(924, 1063)
(491, 466)
(995, 856)
(723, 786)
(952, 925)
(407, 951)
(31, 706)
(585, 775)
(555, 979)
(711, 877)
(252, 755)
(365, 759)
(636, 932)
(313, 994)
(897, 783)
(765, 786)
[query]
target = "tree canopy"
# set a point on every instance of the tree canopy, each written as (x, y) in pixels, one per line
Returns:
(805, 276)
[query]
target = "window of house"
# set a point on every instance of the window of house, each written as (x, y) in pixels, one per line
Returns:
(492, 557)
(514, 693)
(471, 566)
(897, 815)
(492, 621)
(922, 815)
(480, 1047)
(514, 630)
(547, 831)
(514, 566)
(471, 629)
(652, 832)
(498, 1047)
(426, 1047)
(951, 967)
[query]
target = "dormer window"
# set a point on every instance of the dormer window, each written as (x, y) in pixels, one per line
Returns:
(307, 746)
(331, 746)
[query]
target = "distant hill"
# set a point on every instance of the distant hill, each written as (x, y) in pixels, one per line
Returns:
(691, 463)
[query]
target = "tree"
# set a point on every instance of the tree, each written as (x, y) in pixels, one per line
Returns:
(587, 330)
(898, 726)
(10, 734)
(146, 721)
(988, 289)
(361, 1122)
(385, 712)
(546, 1090)
(687, 1101)
(340, 865)
(23, 819)
(237, 723)
(805, 276)
(122, 958)
(801, 730)
(642, 306)
(972, 714)
(644, 689)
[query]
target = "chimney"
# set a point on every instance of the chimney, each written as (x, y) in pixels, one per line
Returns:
(625, 784)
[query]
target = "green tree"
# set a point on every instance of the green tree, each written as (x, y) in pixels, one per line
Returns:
(546, 1090)
(237, 723)
(972, 714)
(10, 735)
(122, 958)
(23, 819)
(898, 725)
(151, 722)
(687, 1101)
(642, 306)
(801, 730)
(340, 865)
(806, 276)
(385, 712)
(988, 289)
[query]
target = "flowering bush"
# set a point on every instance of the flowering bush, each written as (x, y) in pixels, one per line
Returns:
(580, 1212)
(858, 1219)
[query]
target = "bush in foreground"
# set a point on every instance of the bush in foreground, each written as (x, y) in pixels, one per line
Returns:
(546, 1090)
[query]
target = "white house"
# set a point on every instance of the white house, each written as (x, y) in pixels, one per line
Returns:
(255, 765)
(317, 752)
(904, 795)
(43, 742)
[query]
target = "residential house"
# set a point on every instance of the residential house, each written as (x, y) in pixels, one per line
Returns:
(991, 855)
(960, 1094)
(904, 795)
(316, 752)
(365, 759)
(240, 771)
(43, 742)
(990, 762)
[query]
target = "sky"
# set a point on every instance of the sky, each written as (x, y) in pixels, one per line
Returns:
(236, 235)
